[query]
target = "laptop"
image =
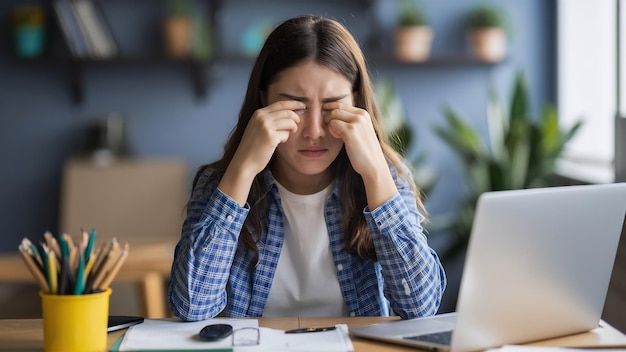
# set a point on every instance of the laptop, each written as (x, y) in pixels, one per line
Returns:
(538, 266)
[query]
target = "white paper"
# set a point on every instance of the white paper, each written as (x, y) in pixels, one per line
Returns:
(272, 340)
(171, 334)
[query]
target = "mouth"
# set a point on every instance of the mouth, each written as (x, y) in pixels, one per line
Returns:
(313, 152)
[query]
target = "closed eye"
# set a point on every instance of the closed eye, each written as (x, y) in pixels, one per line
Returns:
(302, 111)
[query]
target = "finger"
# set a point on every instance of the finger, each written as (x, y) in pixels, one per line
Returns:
(287, 124)
(344, 112)
(339, 128)
(288, 115)
(332, 105)
(336, 105)
(283, 136)
(285, 105)
(267, 117)
(283, 109)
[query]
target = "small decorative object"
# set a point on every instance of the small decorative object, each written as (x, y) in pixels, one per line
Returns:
(178, 29)
(413, 35)
(254, 36)
(28, 24)
(107, 139)
(486, 25)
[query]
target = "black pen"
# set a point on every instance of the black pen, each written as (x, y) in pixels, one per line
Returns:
(298, 331)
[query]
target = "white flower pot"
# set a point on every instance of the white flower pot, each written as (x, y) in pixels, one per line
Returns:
(413, 43)
(488, 44)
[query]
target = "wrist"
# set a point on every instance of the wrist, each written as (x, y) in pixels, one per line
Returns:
(379, 188)
(236, 183)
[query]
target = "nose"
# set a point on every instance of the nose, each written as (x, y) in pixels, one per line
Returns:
(313, 123)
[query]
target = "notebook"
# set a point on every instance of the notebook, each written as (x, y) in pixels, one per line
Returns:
(538, 266)
(119, 322)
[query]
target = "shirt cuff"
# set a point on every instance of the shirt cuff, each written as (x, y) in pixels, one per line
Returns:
(388, 215)
(226, 213)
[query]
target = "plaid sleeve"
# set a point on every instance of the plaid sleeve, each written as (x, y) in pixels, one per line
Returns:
(204, 254)
(414, 279)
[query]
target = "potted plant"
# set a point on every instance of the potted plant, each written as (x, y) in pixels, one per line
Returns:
(399, 133)
(28, 25)
(178, 28)
(486, 25)
(413, 35)
(521, 153)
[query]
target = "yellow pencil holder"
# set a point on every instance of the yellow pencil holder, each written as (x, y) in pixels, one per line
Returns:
(75, 322)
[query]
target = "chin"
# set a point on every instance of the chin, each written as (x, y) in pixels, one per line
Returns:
(313, 170)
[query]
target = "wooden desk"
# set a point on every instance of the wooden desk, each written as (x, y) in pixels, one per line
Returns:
(27, 334)
(148, 267)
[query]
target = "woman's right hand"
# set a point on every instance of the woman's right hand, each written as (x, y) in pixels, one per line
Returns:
(268, 127)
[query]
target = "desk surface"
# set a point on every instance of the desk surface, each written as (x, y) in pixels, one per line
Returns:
(27, 334)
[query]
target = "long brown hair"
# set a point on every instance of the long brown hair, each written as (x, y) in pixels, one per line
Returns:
(330, 44)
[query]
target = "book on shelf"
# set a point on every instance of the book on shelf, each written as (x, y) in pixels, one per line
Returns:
(95, 29)
(72, 33)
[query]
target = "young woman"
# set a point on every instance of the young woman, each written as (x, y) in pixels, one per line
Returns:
(309, 212)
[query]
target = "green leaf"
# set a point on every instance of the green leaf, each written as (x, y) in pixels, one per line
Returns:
(550, 130)
(399, 133)
(523, 150)
(497, 176)
(461, 134)
(519, 104)
(486, 15)
(411, 14)
(520, 163)
(401, 139)
(571, 132)
(498, 126)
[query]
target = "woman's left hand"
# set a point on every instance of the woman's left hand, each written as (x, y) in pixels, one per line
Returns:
(354, 127)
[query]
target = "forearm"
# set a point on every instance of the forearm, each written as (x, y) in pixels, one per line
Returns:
(414, 279)
(379, 186)
(192, 297)
(236, 182)
(203, 258)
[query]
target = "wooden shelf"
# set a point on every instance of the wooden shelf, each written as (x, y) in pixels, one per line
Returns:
(435, 60)
(199, 68)
(76, 66)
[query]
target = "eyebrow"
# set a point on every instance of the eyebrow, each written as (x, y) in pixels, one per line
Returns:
(306, 100)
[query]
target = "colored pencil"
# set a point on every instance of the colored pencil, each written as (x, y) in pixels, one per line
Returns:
(114, 270)
(62, 266)
(34, 270)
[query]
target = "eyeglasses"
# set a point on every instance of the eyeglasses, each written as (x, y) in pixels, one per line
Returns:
(248, 336)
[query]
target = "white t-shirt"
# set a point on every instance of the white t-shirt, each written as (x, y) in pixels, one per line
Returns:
(305, 283)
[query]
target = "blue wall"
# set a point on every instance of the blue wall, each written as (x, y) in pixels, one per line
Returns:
(42, 127)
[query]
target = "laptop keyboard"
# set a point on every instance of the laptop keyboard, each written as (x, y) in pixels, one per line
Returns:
(442, 338)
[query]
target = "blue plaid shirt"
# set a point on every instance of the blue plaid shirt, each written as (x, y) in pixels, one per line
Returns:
(211, 270)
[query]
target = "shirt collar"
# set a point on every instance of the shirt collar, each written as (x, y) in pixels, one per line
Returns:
(270, 184)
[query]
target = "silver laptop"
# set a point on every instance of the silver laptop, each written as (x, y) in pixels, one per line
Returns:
(538, 266)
